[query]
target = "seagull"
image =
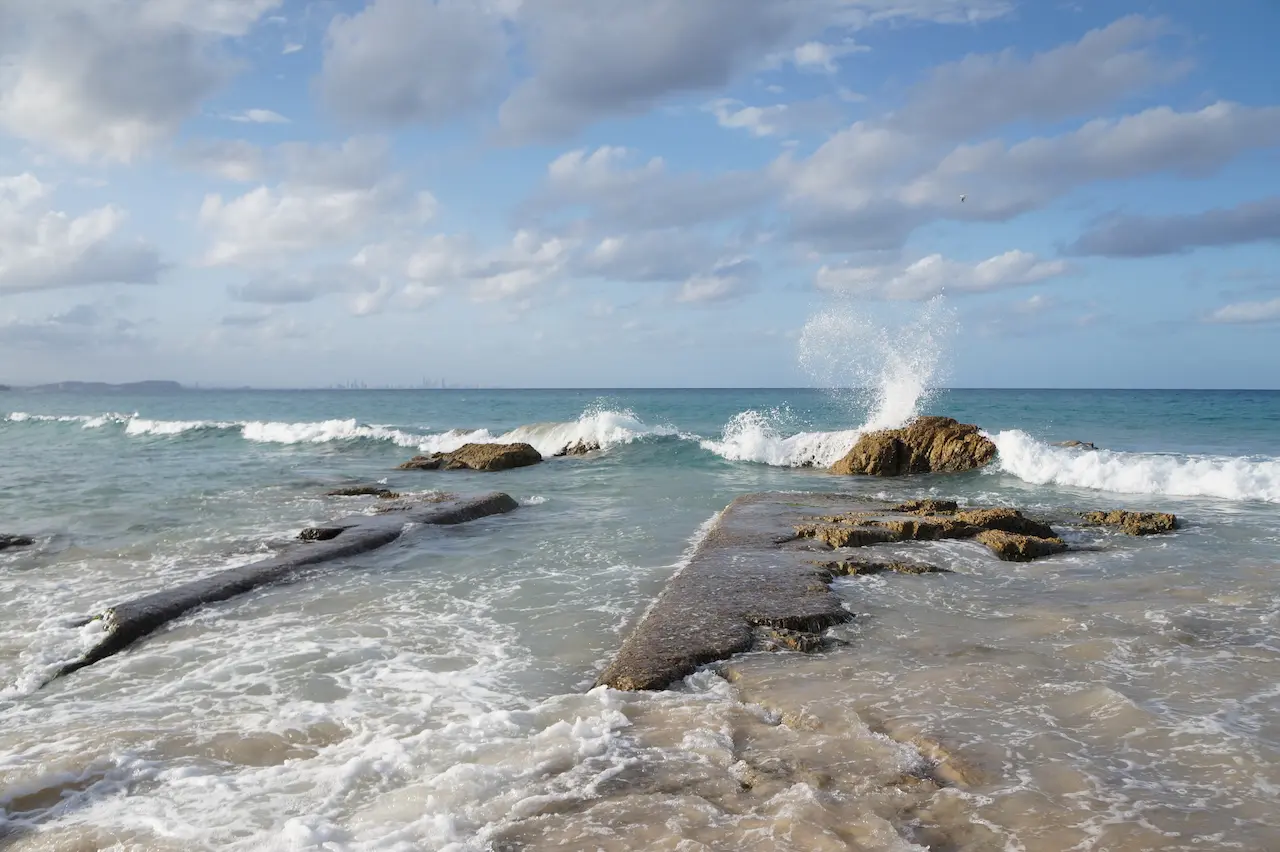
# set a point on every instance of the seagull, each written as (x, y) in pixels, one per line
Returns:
(962, 199)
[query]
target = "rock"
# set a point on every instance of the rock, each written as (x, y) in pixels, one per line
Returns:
(431, 462)
(488, 457)
(1134, 523)
(925, 445)
(363, 491)
(781, 639)
(927, 507)
(1006, 520)
(1078, 445)
(320, 533)
(579, 447)
(851, 568)
(1012, 547)
(8, 541)
(838, 536)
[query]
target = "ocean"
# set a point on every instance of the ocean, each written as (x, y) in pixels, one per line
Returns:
(436, 694)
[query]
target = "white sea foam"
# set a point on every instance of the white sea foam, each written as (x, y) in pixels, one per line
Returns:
(756, 437)
(1223, 477)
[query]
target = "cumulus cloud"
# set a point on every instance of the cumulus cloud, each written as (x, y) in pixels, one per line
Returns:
(258, 116)
(230, 159)
(110, 78)
(330, 196)
(82, 327)
(1246, 313)
(42, 248)
(934, 274)
(402, 61)
(597, 58)
(624, 193)
(984, 91)
(1148, 236)
(729, 279)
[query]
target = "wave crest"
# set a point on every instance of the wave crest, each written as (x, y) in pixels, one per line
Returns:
(1223, 477)
(756, 436)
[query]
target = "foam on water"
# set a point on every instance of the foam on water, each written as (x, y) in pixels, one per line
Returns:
(756, 437)
(595, 427)
(1222, 477)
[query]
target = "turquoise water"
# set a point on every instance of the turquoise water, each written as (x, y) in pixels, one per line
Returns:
(433, 695)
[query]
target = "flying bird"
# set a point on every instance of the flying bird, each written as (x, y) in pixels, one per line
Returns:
(962, 199)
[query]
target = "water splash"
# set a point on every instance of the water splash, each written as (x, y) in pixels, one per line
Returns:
(884, 373)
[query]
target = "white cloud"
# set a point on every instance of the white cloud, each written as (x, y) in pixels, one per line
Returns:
(1149, 236)
(822, 56)
(758, 121)
(110, 78)
(1241, 313)
(597, 58)
(729, 279)
(42, 249)
(234, 160)
(259, 116)
(402, 61)
(934, 274)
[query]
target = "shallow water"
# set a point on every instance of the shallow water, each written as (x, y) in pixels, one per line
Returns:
(433, 695)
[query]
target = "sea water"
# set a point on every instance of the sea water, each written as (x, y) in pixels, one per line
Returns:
(436, 694)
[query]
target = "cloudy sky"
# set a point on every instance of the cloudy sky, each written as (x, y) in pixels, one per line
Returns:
(635, 192)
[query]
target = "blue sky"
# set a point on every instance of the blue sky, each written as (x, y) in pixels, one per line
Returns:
(619, 193)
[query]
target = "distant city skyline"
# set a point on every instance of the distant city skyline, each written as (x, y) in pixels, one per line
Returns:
(603, 193)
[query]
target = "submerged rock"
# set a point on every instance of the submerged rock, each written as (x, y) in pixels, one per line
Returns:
(927, 507)
(1012, 547)
(925, 445)
(8, 541)
(364, 491)
(320, 533)
(1134, 523)
(781, 639)
(864, 529)
(1078, 445)
(488, 457)
(851, 568)
(579, 447)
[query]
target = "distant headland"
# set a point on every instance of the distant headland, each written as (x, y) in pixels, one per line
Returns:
(104, 387)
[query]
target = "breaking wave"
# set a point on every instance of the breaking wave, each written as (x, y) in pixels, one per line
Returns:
(881, 374)
(595, 427)
(1223, 477)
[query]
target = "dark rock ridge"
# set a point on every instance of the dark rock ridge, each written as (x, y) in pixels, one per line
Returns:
(486, 457)
(364, 491)
(130, 621)
(925, 445)
(1134, 523)
(8, 541)
(1008, 534)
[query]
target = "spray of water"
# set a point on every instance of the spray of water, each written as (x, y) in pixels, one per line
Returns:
(880, 371)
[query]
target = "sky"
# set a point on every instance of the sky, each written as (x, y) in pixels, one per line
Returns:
(632, 193)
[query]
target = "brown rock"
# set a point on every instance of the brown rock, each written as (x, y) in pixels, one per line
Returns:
(841, 536)
(491, 457)
(1006, 520)
(927, 507)
(1077, 445)
(1012, 547)
(487, 457)
(781, 639)
(431, 462)
(928, 530)
(926, 445)
(1135, 523)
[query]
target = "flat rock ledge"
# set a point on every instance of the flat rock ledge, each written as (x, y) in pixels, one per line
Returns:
(751, 583)
(132, 620)
(1134, 523)
(487, 457)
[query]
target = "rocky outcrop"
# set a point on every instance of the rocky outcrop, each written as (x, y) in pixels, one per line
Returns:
(865, 529)
(127, 622)
(925, 445)
(488, 457)
(1077, 445)
(579, 447)
(8, 541)
(1134, 523)
(1012, 547)
(861, 568)
(364, 491)
(927, 507)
